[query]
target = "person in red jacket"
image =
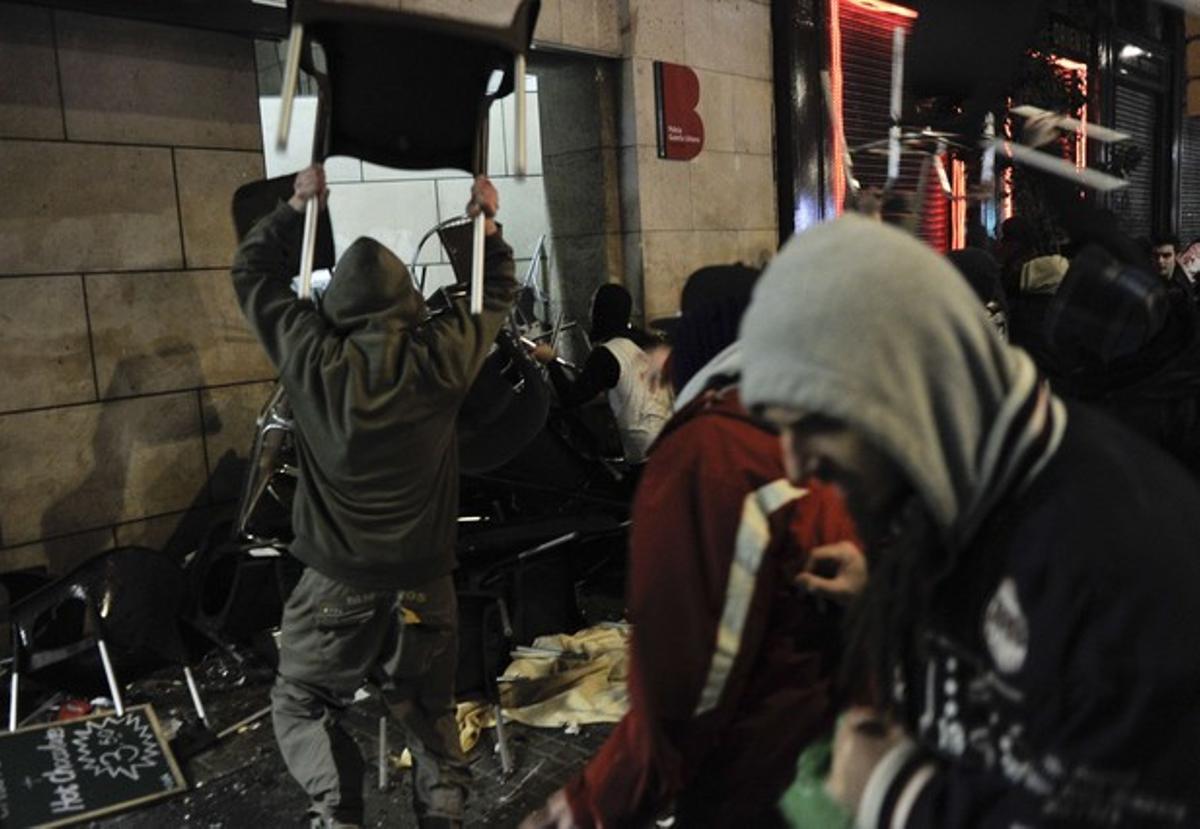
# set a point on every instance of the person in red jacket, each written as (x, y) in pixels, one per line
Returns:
(731, 663)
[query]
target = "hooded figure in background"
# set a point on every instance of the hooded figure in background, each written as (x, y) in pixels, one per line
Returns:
(731, 665)
(375, 388)
(620, 366)
(1034, 577)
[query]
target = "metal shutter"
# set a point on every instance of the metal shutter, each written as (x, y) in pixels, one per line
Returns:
(1137, 114)
(866, 83)
(1189, 181)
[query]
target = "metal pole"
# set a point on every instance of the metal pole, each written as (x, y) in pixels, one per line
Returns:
(480, 232)
(197, 703)
(521, 140)
(477, 264)
(291, 79)
(13, 687)
(113, 688)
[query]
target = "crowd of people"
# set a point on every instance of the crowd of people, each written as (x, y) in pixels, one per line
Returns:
(913, 542)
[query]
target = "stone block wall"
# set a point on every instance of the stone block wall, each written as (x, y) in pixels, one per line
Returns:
(129, 375)
(129, 372)
(720, 206)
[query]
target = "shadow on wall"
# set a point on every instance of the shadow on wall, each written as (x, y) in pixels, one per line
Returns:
(126, 431)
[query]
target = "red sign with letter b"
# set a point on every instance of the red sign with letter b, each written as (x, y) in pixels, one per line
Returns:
(677, 92)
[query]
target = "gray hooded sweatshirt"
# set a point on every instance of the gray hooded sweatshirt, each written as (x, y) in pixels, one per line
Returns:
(893, 342)
(375, 391)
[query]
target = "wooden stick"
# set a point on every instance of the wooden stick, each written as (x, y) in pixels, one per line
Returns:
(291, 79)
(309, 247)
(522, 164)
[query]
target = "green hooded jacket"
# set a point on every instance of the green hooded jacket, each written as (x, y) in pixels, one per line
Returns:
(375, 392)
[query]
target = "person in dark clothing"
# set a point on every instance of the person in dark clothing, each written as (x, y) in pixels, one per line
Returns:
(619, 366)
(1164, 250)
(731, 667)
(1130, 348)
(1029, 617)
(982, 273)
(374, 387)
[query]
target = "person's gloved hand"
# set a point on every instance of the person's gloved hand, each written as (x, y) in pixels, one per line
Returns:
(310, 183)
(556, 814)
(484, 199)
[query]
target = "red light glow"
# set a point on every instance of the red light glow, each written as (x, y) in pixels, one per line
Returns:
(958, 204)
(835, 82)
(1080, 70)
(884, 8)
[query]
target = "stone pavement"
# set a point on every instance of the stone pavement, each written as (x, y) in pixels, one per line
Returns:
(242, 782)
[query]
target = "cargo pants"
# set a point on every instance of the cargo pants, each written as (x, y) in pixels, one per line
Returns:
(332, 638)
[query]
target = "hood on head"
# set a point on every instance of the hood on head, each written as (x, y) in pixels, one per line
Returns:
(612, 306)
(370, 283)
(863, 323)
(1043, 274)
(711, 307)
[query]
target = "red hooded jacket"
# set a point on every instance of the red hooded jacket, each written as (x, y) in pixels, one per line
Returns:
(730, 664)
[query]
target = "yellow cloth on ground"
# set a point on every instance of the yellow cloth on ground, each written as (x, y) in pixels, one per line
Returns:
(541, 688)
(583, 685)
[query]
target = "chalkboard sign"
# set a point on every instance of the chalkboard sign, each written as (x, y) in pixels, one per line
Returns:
(64, 772)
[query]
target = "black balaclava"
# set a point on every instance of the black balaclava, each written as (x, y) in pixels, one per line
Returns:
(711, 307)
(611, 307)
(371, 284)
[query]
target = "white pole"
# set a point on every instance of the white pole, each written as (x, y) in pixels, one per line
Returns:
(291, 79)
(521, 115)
(309, 246)
(197, 703)
(477, 264)
(477, 239)
(896, 105)
(13, 687)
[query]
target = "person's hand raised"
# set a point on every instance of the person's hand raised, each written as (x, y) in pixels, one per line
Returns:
(310, 183)
(485, 199)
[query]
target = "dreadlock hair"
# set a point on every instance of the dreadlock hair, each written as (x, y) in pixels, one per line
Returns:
(883, 623)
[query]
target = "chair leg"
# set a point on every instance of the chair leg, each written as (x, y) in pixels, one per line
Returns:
(13, 687)
(194, 692)
(113, 687)
(506, 759)
(383, 753)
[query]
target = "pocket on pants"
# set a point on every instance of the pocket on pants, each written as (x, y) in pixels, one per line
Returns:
(339, 614)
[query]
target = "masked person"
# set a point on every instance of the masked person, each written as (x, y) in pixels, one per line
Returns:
(1030, 613)
(619, 366)
(374, 388)
(730, 665)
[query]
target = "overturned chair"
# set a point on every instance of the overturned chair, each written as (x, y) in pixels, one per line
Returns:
(116, 614)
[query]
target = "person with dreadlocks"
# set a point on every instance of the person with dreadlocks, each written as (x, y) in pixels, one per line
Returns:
(731, 667)
(1029, 619)
(619, 366)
